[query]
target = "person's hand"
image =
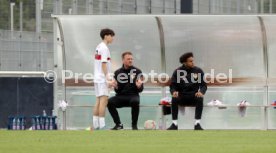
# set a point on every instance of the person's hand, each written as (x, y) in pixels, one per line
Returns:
(175, 94)
(198, 94)
(139, 83)
(112, 83)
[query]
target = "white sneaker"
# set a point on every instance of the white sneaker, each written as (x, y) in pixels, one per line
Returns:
(243, 103)
(242, 107)
(214, 103)
(166, 101)
(217, 103)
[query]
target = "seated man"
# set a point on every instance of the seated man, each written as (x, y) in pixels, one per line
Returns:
(187, 88)
(128, 84)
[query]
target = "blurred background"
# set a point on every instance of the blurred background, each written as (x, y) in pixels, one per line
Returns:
(27, 50)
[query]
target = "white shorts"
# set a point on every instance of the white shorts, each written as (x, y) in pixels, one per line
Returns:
(101, 89)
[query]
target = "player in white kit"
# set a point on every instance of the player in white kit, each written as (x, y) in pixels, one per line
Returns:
(102, 81)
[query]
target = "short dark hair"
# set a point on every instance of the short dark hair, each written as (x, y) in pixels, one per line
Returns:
(183, 58)
(126, 53)
(107, 32)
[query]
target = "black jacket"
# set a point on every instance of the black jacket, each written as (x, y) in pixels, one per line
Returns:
(127, 85)
(190, 83)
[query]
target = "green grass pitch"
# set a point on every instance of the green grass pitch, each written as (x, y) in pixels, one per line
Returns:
(142, 141)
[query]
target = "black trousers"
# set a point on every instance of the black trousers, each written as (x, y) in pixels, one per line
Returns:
(120, 101)
(187, 100)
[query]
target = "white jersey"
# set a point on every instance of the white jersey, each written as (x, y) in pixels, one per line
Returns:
(102, 55)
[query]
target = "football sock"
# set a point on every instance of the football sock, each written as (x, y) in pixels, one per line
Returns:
(95, 122)
(175, 122)
(102, 122)
(197, 122)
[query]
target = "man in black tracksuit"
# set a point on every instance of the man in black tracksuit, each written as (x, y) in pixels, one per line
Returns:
(128, 85)
(187, 88)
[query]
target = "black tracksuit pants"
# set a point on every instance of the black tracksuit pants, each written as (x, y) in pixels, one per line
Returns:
(187, 100)
(120, 101)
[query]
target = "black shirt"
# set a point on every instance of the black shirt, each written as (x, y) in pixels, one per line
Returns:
(188, 81)
(126, 81)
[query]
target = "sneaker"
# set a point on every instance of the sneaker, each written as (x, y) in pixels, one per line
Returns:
(274, 104)
(118, 127)
(243, 103)
(134, 127)
(198, 127)
(217, 103)
(173, 127)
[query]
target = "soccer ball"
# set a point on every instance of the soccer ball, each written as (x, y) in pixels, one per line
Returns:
(150, 125)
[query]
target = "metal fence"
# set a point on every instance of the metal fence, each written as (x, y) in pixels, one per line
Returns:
(33, 50)
(26, 51)
(226, 6)
(35, 15)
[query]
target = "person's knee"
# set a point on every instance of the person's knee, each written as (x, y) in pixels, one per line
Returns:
(175, 101)
(199, 98)
(111, 102)
(134, 102)
(199, 101)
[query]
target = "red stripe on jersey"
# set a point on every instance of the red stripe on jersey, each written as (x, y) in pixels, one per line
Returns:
(99, 57)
